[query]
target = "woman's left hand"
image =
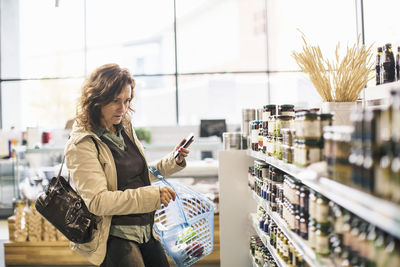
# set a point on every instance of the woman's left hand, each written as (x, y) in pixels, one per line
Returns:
(182, 152)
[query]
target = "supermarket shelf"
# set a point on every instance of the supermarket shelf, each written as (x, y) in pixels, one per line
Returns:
(380, 92)
(265, 240)
(290, 169)
(299, 243)
(377, 211)
(253, 262)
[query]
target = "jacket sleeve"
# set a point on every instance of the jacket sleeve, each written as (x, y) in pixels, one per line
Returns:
(89, 176)
(167, 166)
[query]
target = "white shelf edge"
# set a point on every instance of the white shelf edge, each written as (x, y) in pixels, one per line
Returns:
(252, 259)
(266, 243)
(381, 91)
(300, 245)
(379, 212)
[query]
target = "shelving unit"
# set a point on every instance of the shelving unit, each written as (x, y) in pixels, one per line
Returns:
(265, 240)
(379, 212)
(300, 244)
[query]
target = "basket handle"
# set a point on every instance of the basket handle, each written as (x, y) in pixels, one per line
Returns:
(159, 176)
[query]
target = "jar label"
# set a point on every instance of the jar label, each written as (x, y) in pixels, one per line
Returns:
(286, 124)
(308, 129)
(304, 156)
(322, 212)
(271, 127)
(265, 115)
(288, 113)
(322, 244)
(311, 238)
(254, 136)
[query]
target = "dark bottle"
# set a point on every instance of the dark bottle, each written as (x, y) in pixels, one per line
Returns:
(388, 65)
(398, 64)
(378, 66)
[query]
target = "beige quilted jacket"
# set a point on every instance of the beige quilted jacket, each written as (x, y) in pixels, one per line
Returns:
(95, 179)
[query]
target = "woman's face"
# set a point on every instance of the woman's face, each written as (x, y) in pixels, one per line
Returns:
(113, 112)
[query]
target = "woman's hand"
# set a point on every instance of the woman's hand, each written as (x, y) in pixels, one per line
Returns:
(182, 152)
(166, 194)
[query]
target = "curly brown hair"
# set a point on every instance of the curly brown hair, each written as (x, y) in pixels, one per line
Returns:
(102, 86)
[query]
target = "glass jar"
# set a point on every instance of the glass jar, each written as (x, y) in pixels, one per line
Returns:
(268, 111)
(327, 153)
(307, 126)
(322, 209)
(312, 229)
(287, 154)
(306, 152)
(270, 146)
(278, 148)
(260, 138)
(322, 239)
(254, 135)
(271, 125)
(265, 140)
(304, 200)
(287, 110)
(287, 136)
(312, 204)
(283, 122)
(325, 120)
(303, 226)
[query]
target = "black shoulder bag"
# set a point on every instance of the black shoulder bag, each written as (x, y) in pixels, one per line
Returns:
(66, 210)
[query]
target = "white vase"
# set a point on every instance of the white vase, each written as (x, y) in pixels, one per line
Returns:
(341, 111)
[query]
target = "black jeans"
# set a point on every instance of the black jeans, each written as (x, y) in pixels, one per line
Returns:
(125, 253)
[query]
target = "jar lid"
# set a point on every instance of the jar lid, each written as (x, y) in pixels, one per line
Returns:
(326, 116)
(270, 107)
(285, 117)
(311, 115)
(314, 110)
(286, 107)
(308, 142)
(323, 227)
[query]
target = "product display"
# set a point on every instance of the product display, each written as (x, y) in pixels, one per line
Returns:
(366, 155)
(295, 137)
(287, 208)
(29, 225)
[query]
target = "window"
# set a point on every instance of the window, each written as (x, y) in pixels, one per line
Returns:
(228, 55)
(39, 103)
(220, 36)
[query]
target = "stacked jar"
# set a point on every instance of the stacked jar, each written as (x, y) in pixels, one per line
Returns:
(318, 225)
(337, 144)
(261, 173)
(256, 132)
(308, 137)
(275, 178)
(276, 124)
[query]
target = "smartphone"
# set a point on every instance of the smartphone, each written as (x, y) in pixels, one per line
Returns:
(186, 144)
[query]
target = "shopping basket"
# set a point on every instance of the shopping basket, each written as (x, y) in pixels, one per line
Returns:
(186, 226)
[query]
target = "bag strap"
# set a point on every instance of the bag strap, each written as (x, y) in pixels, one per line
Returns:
(63, 159)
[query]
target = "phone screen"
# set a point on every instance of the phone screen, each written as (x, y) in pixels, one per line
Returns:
(186, 144)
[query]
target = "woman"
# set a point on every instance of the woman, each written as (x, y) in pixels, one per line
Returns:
(113, 179)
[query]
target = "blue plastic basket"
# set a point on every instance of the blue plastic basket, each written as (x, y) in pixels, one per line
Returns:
(186, 226)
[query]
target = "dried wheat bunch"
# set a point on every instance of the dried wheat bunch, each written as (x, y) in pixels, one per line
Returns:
(342, 79)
